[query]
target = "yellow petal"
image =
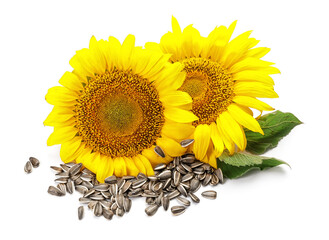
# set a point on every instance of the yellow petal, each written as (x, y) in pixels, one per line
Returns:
(201, 141)
(59, 116)
(132, 169)
(253, 75)
(180, 115)
(139, 164)
(249, 63)
(71, 81)
(176, 98)
(70, 149)
(258, 52)
(147, 165)
(178, 131)
(96, 56)
(252, 102)
(254, 89)
(232, 129)
(105, 168)
(170, 147)
(126, 51)
(61, 135)
(175, 26)
(60, 96)
(120, 167)
(216, 138)
(228, 142)
(244, 119)
(154, 158)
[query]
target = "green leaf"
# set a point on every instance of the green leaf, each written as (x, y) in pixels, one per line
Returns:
(240, 159)
(232, 172)
(275, 125)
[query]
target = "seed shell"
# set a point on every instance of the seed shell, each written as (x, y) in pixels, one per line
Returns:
(28, 167)
(209, 194)
(35, 162)
(151, 210)
(158, 150)
(80, 212)
(55, 191)
(177, 210)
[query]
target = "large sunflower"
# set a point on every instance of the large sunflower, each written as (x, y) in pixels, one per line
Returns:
(118, 103)
(224, 78)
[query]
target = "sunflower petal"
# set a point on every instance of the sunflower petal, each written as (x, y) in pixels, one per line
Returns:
(201, 141)
(216, 138)
(180, 115)
(176, 98)
(132, 169)
(61, 135)
(170, 147)
(175, 26)
(70, 149)
(119, 167)
(177, 131)
(252, 102)
(254, 89)
(71, 81)
(244, 119)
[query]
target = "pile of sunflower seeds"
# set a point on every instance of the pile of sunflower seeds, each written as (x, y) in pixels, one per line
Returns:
(33, 162)
(180, 179)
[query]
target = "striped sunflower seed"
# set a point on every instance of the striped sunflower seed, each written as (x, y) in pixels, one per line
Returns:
(164, 175)
(108, 214)
(98, 210)
(177, 210)
(160, 166)
(184, 201)
(186, 142)
(194, 197)
(57, 169)
(127, 204)
(111, 179)
(35, 162)
(28, 167)
(55, 191)
(69, 186)
(62, 187)
(81, 189)
(75, 169)
(158, 150)
(165, 202)
(219, 174)
(209, 194)
(151, 210)
(80, 212)
(101, 187)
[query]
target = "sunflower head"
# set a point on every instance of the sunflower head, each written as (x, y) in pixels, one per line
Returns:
(118, 103)
(224, 77)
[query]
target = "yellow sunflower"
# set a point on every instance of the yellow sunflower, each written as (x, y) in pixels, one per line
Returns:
(224, 79)
(118, 103)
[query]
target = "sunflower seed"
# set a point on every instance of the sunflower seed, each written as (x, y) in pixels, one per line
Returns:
(141, 176)
(173, 194)
(92, 204)
(158, 150)
(128, 177)
(202, 176)
(219, 174)
(177, 178)
(176, 161)
(89, 192)
(105, 204)
(86, 177)
(69, 186)
(84, 200)
(63, 174)
(106, 194)
(98, 210)
(207, 179)
(119, 200)
(126, 186)
(55, 191)
(151, 210)
(120, 183)
(186, 185)
(35, 162)
(138, 183)
(61, 180)
(209, 194)
(198, 170)
(182, 190)
(101, 187)
(81, 189)
(165, 174)
(187, 177)
(70, 164)
(180, 169)
(149, 200)
(188, 159)
(186, 167)
(75, 169)
(28, 167)
(160, 166)
(86, 170)
(57, 169)
(65, 167)
(152, 178)
(96, 197)
(195, 185)
(127, 204)
(167, 183)
(194, 197)
(177, 210)
(196, 164)
(78, 181)
(76, 176)
(80, 212)
(157, 187)
(186, 142)
(214, 180)
(108, 214)
(111, 179)
(87, 184)
(62, 187)
(165, 202)
(119, 212)
(184, 201)
(114, 207)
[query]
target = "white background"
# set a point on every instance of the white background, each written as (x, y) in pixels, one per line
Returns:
(38, 38)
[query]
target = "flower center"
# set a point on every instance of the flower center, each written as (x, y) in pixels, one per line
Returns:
(119, 114)
(210, 86)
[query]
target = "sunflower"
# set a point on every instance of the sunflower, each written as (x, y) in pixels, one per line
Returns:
(118, 103)
(224, 79)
